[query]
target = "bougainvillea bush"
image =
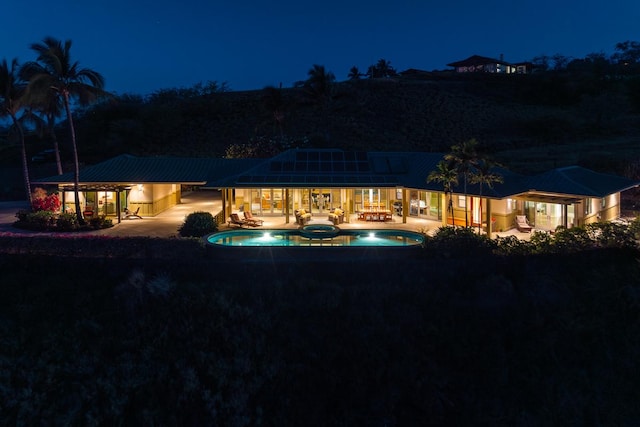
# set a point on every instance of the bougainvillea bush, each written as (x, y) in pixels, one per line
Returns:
(45, 215)
(42, 201)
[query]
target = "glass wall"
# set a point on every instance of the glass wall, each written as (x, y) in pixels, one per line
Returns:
(96, 203)
(548, 216)
(266, 201)
(425, 204)
(371, 199)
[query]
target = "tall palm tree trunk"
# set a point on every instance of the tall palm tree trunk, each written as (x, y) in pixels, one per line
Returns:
(450, 207)
(52, 132)
(76, 163)
(25, 165)
(480, 222)
(466, 208)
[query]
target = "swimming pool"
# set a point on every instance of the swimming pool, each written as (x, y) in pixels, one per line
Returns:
(332, 238)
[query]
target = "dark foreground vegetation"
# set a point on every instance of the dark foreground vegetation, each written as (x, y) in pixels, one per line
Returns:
(157, 332)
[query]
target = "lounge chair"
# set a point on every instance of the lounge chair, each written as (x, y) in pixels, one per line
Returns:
(235, 221)
(251, 220)
(336, 216)
(522, 224)
(129, 215)
(302, 217)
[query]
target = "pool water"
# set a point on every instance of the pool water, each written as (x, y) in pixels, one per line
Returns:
(295, 238)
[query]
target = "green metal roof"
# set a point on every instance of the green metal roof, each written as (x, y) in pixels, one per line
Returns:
(333, 168)
(126, 169)
(578, 181)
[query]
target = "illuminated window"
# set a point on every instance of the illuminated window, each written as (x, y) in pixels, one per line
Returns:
(603, 202)
(588, 209)
(462, 202)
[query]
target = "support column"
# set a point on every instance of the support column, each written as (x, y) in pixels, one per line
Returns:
(445, 204)
(223, 194)
(489, 222)
(405, 206)
(229, 202)
(118, 208)
(286, 208)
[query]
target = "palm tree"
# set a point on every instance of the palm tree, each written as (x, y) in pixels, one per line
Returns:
(54, 73)
(319, 87)
(446, 174)
(382, 68)
(319, 84)
(274, 102)
(354, 74)
(464, 157)
(50, 109)
(12, 95)
(484, 175)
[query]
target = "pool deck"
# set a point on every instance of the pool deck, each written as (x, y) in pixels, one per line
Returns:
(166, 224)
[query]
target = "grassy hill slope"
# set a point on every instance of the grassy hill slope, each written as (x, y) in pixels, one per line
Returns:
(530, 123)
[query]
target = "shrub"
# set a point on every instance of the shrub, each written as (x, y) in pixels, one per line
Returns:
(100, 221)
(22, 215)
(198, 224)
(541, 242)
(67, 222)
(612, 235)
(459, 241)
(41, 220)
(569, 240)
(512, 245)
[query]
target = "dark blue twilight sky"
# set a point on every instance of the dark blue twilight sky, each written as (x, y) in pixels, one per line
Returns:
(141, 46)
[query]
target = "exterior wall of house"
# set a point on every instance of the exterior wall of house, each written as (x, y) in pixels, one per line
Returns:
(504, 213)
(604, 209)
(487, 68)
(153, 198)
(611, 208)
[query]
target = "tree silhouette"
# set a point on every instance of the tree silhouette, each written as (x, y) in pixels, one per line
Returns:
(464, 158)
(53, 72)
(381, 69)
(446, 174)
(354, 73)
(484, 174)
(11, 97)
(319, 86)
(273, 101)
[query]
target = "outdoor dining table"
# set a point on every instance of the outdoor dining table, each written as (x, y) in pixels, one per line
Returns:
(382, 215)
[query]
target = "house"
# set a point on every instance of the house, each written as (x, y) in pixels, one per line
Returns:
(482, 64)
(319, 180)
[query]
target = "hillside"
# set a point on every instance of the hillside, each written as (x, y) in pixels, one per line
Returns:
(546, 118)
(530, 123)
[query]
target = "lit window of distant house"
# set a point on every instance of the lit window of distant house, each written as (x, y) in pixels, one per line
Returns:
(603, 202)
(462, 202)
(588, 208)
(512, 205)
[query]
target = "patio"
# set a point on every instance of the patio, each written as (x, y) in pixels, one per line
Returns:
(166, 223)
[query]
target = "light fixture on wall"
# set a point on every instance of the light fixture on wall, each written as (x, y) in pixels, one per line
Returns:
(140, 187)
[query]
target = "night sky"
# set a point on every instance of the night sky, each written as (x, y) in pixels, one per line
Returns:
(141, 46)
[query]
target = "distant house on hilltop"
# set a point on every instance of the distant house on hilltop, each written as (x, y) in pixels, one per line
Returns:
(483, 64)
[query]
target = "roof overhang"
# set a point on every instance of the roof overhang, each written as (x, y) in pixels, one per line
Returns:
(111, 186)
(560, 199)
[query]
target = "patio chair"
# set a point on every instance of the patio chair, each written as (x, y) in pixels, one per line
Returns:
(129, 215)
(522, 224)
(235, 221)
(251, 220)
